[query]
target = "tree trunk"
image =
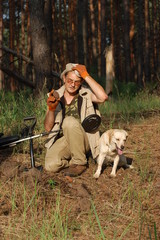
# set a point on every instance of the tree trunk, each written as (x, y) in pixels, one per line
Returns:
(132, 37)
(60, 33)
(103, 36)
(11, 40)
(155, 37)
(40, 44)
(93, 31)
(127, 61)
(140, 29)
(29, 53)
(66, 58)
(109, 69)
(112, 26)
(1, 41)
(117, 43)
(84, 30)
(147, 51)
(99, 38)
(80, 11)
(23, 44)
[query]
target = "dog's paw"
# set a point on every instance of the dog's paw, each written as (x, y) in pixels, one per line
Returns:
(112, 175)
(96, 175)
(131, 167)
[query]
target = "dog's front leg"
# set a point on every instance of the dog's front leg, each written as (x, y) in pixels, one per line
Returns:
(100, 161)
(114, 168)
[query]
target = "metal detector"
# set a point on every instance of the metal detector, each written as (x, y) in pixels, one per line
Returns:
(11, 141)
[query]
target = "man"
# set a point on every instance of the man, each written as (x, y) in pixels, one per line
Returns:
(67, 149)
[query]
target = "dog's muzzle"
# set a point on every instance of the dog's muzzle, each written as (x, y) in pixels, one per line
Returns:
(119, 150)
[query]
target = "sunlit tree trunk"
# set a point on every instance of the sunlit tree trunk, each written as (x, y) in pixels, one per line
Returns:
(109, 56)
(109, 69)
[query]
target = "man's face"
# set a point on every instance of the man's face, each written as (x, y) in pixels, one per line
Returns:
(72, 83)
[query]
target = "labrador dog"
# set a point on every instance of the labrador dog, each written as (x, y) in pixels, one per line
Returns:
(111, 145)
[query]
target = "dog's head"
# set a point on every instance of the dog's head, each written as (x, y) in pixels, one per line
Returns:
(119, 138)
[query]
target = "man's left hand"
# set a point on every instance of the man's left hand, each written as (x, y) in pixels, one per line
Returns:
(82, 70)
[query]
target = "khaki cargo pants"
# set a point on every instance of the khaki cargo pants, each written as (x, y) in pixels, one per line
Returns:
(69, 149)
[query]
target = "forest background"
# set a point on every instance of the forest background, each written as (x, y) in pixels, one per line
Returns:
(117, 40)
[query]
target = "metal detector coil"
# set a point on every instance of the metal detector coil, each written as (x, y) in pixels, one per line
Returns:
(91, 123)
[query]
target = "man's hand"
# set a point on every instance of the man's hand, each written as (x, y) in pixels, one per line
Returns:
(53, 100)
(82, 70)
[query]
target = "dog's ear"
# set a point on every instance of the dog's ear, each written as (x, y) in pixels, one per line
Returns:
(126, 134)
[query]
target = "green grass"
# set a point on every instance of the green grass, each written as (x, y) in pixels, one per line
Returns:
(25, 220)
(15, 107)
(128, 109)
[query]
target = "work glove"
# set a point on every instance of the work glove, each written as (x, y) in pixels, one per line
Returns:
(53, 100)
(82, 70)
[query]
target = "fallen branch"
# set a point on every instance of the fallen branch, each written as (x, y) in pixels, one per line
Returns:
(17, 77)
(8, 50)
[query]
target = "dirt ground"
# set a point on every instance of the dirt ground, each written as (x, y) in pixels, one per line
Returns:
(125, 207)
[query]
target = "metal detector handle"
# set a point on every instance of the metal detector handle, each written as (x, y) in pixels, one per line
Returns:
(29, 118)
(31, 127)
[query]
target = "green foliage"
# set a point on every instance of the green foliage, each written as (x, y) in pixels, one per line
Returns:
(52, 183)
(128, 90)
(127, 108)
(128, 104)
(16, 106)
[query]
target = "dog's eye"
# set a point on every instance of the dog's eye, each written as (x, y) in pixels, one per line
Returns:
(117, 139)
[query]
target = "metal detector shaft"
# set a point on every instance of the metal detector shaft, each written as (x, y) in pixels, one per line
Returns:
(28, 138)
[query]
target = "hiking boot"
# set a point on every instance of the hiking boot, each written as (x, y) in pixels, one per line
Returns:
(74, 170)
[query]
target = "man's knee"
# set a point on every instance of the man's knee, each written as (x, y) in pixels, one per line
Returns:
(52, 167)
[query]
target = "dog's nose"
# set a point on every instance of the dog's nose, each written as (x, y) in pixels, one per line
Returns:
(122, 147)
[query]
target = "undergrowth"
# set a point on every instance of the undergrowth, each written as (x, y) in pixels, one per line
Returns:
(125, 107)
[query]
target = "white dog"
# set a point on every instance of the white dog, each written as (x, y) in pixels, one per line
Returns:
(111, 147)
